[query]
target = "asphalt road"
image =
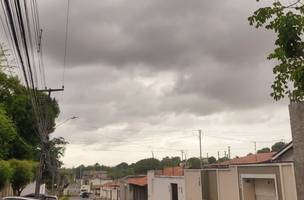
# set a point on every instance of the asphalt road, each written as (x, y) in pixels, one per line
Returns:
(79, 198)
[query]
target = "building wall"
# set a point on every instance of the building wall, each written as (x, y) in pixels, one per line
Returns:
(289, 183)
(193, 186)
(6, 191)
(254, 169)
(287, 156)
(228, 184)
(160, 187)
(209, 185)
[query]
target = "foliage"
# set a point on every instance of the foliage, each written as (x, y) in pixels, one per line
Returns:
(264, 150)
(277, 146)
(18, 108)
(5, 173)
(287, 22)
(142, 166)
(170, 162)
(121, 170)
(7, 134)
(211, 160)
(65, 198)
(223, 159)
(22, 174)
(194, 163)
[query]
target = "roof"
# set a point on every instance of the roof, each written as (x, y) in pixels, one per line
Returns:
(171, 171)
(140, 181)
(282, 151)
(250, 159)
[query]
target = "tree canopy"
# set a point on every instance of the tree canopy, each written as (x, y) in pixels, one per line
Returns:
(264, 150)
(22, 174)
(18, 121)
(5, 173)
(286, 21)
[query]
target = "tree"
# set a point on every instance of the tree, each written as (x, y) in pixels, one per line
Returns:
(170, 162)
(7, 134)
(211, 160)
(194, 163)
(264, 150)
(18, 108)
(22, 174)
(142, 166)
(287, 23)
(5, 173)
(277, 146)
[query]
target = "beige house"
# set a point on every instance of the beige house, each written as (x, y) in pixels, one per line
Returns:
(273, 181)
(255, 177)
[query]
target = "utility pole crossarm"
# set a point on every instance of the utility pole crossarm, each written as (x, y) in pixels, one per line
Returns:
(50, 90)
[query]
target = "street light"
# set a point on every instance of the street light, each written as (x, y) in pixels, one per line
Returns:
(74, 117)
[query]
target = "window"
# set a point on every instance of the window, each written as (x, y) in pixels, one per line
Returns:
(174, 191)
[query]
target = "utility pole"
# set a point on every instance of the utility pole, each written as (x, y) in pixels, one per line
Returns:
(255, 147)
(50, 90)
(218, 155)
(225, 152)
(182, 152)
(229, 152)
(44, 150)
(200, 143)
(152, 154)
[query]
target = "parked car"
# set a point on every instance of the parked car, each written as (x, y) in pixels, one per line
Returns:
(85, 195)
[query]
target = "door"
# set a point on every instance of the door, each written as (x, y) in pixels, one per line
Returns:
(265, 189)
(174, 191)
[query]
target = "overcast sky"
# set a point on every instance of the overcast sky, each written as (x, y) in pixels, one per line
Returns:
(145, 75)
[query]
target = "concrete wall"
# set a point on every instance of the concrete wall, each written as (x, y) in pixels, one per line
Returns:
(289, 183)
(109, 194)
(288, 156)
(228, 184)
(159, 188)
(193, 186)
(262, 170)
(209, 185)
(6, 191)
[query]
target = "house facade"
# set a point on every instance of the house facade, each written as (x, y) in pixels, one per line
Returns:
(110, 191)
(167, 184)
(133, 188)
(253, 177)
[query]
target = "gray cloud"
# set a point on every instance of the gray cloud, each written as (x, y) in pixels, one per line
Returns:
(158, 64)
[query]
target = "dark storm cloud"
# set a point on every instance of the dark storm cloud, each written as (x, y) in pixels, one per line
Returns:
(156, 34)
(216, 60)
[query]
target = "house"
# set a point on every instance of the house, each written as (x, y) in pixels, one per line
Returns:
(285, 154)
(92, 180)
(167, 184)
(134, 188)
(110, 191)
(253, 177)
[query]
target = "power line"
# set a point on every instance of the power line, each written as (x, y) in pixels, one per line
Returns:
(66, 42)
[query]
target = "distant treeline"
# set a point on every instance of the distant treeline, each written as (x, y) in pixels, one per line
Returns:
(140, 167)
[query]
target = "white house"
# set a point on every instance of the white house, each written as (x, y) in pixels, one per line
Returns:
(167, 184)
